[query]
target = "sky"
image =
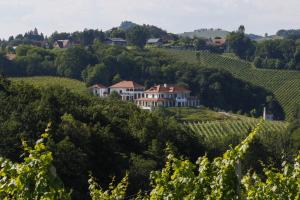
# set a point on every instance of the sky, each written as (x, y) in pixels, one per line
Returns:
(176, 16)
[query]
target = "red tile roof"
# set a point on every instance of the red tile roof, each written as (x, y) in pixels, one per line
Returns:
(127, 84)
(166, 88)
(98, 86)
(219, 41)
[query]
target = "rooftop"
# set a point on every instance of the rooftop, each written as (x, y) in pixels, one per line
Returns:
(166, 88)
(127, 84)
(98, 86)
(153, 40)
(116, 39)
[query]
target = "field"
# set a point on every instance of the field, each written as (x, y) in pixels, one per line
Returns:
(48, 81)
(285, 85)
(215, 130)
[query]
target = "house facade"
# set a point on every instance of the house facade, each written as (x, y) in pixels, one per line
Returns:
(116, 41)
(62, 44)
(167, 96)
(154, 41)
(99, 90)
(128, 90)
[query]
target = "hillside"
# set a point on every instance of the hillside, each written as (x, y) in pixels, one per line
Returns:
(215, 130)
(48, 81)
(203, 114)
(283, 84)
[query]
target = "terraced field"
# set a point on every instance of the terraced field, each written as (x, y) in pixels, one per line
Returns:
(48, 81)
(214, 130)
(285, 85)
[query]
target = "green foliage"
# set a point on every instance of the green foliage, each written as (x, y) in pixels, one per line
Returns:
(240, 44)
(222, 178)
(277, 54)
(72, 61)
(117, 192)
(34, 178)
(283, 184)
(137, 36)
(51, 81)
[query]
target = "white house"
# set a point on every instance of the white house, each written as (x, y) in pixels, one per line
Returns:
(154, 41)
(167, 96)
(99, 90)
(116, 41)
(62, 44)
(128, 90)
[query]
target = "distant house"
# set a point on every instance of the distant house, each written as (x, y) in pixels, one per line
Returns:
(11, 56)
(128, 90)
(116, 41)
(217, 41)
(99, 90)
(62, 44)
(154, 41)
(167, 96)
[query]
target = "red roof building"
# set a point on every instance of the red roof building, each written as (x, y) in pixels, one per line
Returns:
(167, 96)
(127, 84)
(128, 90)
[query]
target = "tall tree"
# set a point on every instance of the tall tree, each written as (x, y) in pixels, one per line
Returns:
(137, 36)
(240, 44)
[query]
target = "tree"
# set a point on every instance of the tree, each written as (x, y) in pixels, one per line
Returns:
(200, 44)
(117, 33)
(34, 178)
(137, 36)
(240, 44)
(241, 29)
(72, 61)
(99, 73)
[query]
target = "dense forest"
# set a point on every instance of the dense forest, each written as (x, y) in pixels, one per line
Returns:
(109, 137)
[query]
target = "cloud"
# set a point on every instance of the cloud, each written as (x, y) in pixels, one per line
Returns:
(259, 16)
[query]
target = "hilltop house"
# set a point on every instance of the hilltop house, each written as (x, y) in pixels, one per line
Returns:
(116, 41)
(167, 96)
(99, 90)
(62, 44)
(154, 41)
(128, 90)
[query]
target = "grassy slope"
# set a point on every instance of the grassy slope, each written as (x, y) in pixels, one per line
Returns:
(285, 85)
(186, 114)
(47, 81)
